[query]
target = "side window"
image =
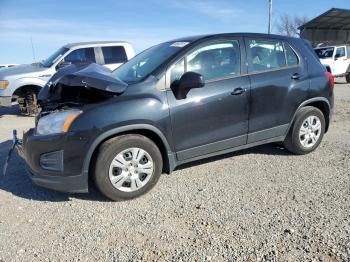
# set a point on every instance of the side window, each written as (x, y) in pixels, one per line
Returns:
(292, 58)
(83, 55)
(340, 52)
(265, 55)
(114, 54)
(216, 60)
(177, 71)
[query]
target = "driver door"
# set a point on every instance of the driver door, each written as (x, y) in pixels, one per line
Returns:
(214, 117)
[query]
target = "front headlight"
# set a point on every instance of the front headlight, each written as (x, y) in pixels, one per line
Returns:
(56, 122)
(4, 84)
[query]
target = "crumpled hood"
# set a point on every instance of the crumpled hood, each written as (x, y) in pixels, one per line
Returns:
(93, 76)
(22, 70)
(88, 76)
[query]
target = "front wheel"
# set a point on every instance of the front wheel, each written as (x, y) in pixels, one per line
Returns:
(28, 103)
(127, 167)
(306, 132)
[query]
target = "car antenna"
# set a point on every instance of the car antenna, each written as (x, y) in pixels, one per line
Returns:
(31, 41)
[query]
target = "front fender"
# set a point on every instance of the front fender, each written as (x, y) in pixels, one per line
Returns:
(26, 81)
(129, 128)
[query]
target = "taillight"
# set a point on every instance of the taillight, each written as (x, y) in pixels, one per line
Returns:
(330, 77)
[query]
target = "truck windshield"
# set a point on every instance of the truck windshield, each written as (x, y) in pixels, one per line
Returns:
(146, 62)
(54, 57)
(326, 52)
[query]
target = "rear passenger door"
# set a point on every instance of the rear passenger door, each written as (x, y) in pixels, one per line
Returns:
(279, 83)
(113, 56)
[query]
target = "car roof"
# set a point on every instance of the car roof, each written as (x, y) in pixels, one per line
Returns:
(95, 43)
(330, 46)
(208, 36)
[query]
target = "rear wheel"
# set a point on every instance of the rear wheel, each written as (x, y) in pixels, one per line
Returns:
(127, 166)
(306, 132)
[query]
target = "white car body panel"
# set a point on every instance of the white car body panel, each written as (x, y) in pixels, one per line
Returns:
(337, 65)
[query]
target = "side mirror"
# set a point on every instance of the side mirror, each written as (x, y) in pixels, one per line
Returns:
(188, 81)
(63, 64)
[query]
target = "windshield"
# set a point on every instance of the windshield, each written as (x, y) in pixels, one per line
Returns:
(146, 62)
(54, 57)
(326, 52)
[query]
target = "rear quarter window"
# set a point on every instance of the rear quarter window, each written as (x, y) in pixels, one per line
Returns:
(292, 58)
(114, 54)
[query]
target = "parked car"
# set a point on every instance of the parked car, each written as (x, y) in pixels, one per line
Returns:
(24, 82)
(336, 59)
(174, 103)
(6, 65)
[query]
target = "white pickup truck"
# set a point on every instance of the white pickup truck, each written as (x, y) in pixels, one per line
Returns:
(336, 59)
(23, 82)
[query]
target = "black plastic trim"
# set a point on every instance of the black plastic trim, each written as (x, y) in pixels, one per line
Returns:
(309, 101)
(118, 130)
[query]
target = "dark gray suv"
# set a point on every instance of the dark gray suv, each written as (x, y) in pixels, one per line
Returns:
(176, 102)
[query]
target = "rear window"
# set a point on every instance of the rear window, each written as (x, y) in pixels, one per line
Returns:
(114, 54)
(265, 55)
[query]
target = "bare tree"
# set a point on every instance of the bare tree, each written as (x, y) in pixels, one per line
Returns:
(289, 25)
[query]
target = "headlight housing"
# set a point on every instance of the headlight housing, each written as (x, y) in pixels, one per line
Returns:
(56, 123)
(4, 84)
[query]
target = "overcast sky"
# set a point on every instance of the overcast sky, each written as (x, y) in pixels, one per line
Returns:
(53, 23)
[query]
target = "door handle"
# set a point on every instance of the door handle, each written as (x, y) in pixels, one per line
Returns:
(296, 76)
(238, 91)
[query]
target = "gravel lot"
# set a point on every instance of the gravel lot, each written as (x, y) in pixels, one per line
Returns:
(259, 204)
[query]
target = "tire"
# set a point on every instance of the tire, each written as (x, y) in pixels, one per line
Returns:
(347, 77)
(299, 143)
(28, 104)
(124, 178)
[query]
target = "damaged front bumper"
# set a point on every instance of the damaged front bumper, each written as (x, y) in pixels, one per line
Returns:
(49, 164)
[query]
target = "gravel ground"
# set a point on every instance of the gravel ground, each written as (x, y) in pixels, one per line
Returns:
(260, 204)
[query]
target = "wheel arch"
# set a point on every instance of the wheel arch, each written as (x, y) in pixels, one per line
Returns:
(25, 88)
(146, 130)
(320, 103)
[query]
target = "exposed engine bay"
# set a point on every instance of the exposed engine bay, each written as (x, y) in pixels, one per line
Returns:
(79, 85)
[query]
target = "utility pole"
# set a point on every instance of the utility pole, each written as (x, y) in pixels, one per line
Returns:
(270, 16)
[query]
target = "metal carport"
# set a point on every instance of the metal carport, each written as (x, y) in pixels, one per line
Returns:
(331, 28)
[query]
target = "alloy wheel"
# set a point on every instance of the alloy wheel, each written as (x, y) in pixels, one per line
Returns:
(310, 131)
(131, 169)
